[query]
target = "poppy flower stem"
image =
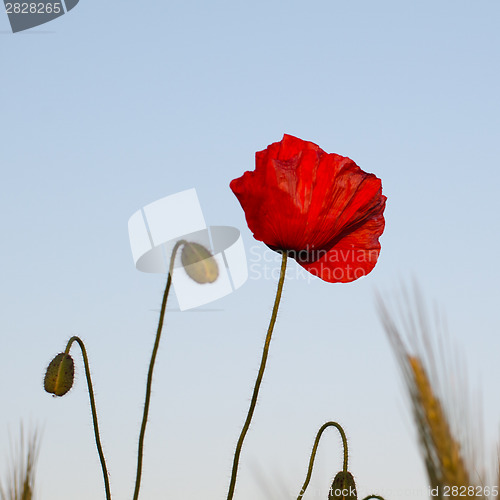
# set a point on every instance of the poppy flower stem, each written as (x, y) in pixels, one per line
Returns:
(151, 368)
(259, 377)
(315, 449)
(79, 341)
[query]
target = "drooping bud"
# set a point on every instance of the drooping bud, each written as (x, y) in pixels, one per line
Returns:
(60, 374)
(199, 263)
(343, 487)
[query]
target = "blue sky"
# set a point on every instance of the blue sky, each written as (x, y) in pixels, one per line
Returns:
(116, 105)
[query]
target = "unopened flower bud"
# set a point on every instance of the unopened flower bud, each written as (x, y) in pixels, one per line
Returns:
(59, 375)
(199, 263)
(343, 487)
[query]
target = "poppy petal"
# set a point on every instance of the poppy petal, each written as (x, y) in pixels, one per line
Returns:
(354, 256)
(303, 200)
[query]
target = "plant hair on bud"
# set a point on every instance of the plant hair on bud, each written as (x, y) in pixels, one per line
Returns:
(60, 375)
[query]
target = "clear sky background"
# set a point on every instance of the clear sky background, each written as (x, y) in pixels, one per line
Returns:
(120, 103)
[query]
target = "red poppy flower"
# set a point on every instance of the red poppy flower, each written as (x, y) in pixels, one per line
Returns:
(321, 208)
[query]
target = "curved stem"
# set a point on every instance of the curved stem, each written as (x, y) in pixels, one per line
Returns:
(150, 372)
(315, 449)
(94, 411)
(259, 378)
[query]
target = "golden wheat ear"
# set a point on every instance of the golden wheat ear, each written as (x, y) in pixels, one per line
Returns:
(448, 430)
(443, 452)
(20, 480)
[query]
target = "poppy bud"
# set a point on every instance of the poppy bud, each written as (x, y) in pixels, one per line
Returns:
(59, 375)
(199, 263)
(343, 487)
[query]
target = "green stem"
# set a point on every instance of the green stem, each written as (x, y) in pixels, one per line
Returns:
(259, 378)
(94, 411)
(150, 372)
(315, 449)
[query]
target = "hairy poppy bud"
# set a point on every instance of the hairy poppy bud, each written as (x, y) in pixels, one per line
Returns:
(59, 375)
(199, 263)
(343, 487)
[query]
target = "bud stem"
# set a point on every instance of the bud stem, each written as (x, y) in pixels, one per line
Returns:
(94, 411)
(315, 449)
(259, 378)
(151, 368)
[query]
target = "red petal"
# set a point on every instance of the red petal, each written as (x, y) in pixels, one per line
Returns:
(301, 199)
(353, 256)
